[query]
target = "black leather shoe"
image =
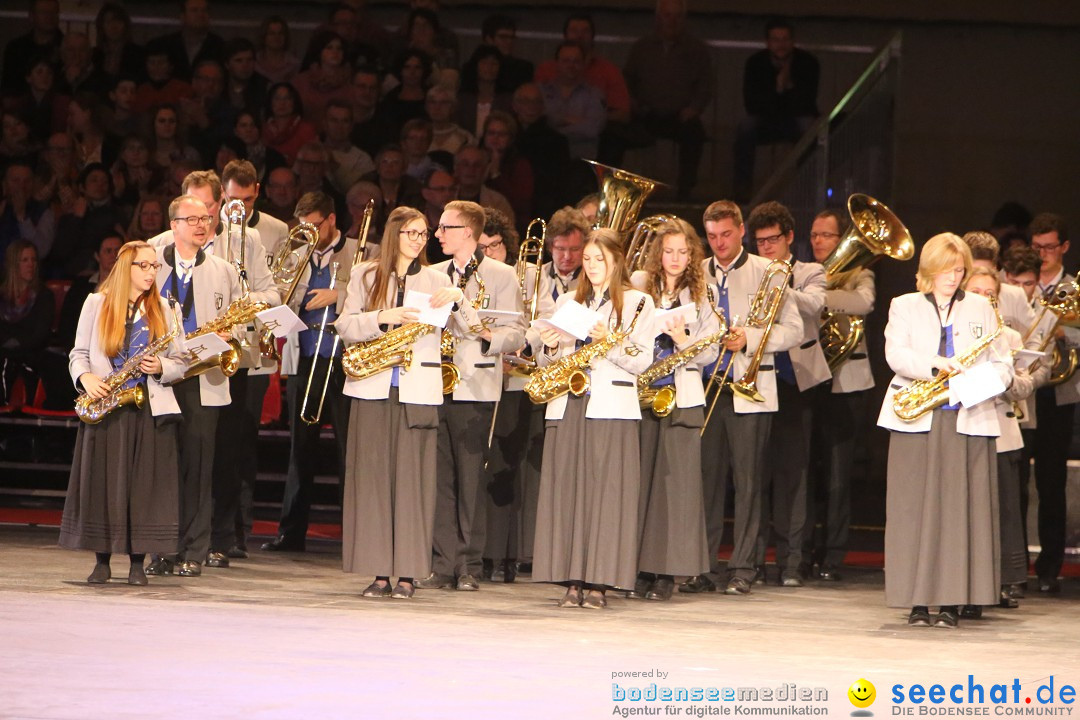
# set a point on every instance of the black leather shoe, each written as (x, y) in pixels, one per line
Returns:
(1007, 601)
(1017, 591)
(101, 574)
(1049, 585)
(136, 575)
(189, 568)
(237, 553)
(284, 543)
(828, 574)
(737, 586)
(434, 581)
(375, 590)
(641, 588)
(524, 568)
(947, 617)
(971, 612)
(661, 589)
(919, 617)
(467, 583)
(504, 572)
(160, 566)
(697, 584)
(790, 580)
(217, 560)
(403, 591)
(759, 575)
(594, 600)
(572, 598)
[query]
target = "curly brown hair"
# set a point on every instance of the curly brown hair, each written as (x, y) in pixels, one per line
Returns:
(693, 277)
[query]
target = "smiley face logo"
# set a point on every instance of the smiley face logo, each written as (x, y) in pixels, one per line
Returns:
(862, 693)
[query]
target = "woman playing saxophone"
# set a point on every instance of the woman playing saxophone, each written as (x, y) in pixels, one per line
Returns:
(123, 491)
(942, 464)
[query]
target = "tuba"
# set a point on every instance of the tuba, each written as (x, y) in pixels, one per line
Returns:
(875, 232)
(643, 241)
(622, 194)
(762, 315)
(287, 267)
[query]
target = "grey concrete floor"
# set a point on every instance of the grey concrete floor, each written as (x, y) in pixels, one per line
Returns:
(288, 636)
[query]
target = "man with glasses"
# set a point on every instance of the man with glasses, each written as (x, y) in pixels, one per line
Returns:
(439, 189)
(203, 285)
(801, 371)
(312, 297)
(470, 170)
(465, 417)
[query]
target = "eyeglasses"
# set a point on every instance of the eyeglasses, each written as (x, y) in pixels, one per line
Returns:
(194, 220)
(145, 265)
(823, 235)
(443, 228)
(414, 235)
(770, 240)
(1045, 248)
(491, 245)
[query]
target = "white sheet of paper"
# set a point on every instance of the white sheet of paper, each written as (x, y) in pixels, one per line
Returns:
(281, 320)
(206, 345)
(1025, 357)
(572, 320)
(687, 314)
(976, 384)
(492, 318)
(428, 315)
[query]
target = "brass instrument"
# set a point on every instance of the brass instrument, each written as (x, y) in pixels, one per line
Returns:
(531, 254)
(451, 376)
(875, 232)
(240, 312)
(662, 399)
(392, 349)
(923, 396)
(93, 410)
(1064, 302)
(365, 228)
(567, 375)
(236, 213)
(287, 267)
(762, 315)
(622, 194)
(643, 241)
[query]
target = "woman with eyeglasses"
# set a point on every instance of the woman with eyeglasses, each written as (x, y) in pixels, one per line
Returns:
(389, 507)
(122, 496)
(590, 477)
(671, 516)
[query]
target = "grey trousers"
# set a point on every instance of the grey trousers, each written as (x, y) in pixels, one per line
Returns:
(196, 451)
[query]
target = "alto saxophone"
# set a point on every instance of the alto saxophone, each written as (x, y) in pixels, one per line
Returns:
(662, 399)
(240, 312)
(93, 410)
(923, 396)
(567, 375)
(393, 349)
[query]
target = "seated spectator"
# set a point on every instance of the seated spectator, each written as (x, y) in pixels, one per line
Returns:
(206, 116)
(77, 72)
(160, 87)
(133, 176)
(93, 216)
(23, 217)
(43, 107)
(446, 135)
(148, 218)
(275, 59)
(470, 171)
(167, 143)
(229, 149)
(115, 55)
(41, 41)
(194, 41)
(325, 76)
(83, 285)
(422, 30)
(500, 240)
(348, 163)
(285, 129)
(669, 74)
(57, 172)
(281, 195)
(480, 91)
(509, 172)
(574, 107)
(780, 88)
(397, 188)
(548, 152)
(246, 129)
(372, 126)
(15, 141)
(356, 201)
(439, 189)
(500, 31)
(415, 141)
(244, 87)
(124, 120)
(406, 101)
(87, 120)
(312, 175)
(27, 309)
(173, 184)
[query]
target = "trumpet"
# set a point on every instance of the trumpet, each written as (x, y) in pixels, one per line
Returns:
(287, 267)
(762, 315)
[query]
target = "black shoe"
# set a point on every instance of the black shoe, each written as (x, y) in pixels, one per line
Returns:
(828, 574)
(1049, 585)
(737, 586)
(403, 591)
(524, 568)
(136, 575)
(1006, 600)
(375, 590)
(697, 584)
(189, 568)
(759, 575)
(1016, 591)
(467, 583)
(487, 569)
(237, 553)
(919, 617)
(661, 589)
(791, 580)
(947, 617)
(971, 612)
(101, 574)
(217, 560)
(434, 581)
(641, 588)
(504, 572)
(284, 543)
(161, 566)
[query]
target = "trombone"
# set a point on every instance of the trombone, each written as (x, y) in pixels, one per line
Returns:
(531, 254)
(236, 213)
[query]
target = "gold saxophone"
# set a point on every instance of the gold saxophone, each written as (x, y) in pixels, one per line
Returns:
(240, 312)
(923, 396)
(567, 375)
(451, 376)
(662, 399)
(392, 349)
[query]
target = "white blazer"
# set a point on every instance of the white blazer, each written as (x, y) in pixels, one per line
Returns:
(855, 298)
(613, 378)
(87, 355)
(808, 295)
(787, 332)
(421, 384)
(689, 392)
(478, 361)
(911, 344)
(1015, 396)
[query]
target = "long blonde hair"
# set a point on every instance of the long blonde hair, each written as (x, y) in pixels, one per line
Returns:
(112, 323)
(609, 241)
(388, 254)
(693, 277)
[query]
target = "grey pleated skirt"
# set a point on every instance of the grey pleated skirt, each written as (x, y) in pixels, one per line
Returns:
(942, 543)
(672, 509)
(1014, 557)
(587, 511)
(123, 493)
(388, 514)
